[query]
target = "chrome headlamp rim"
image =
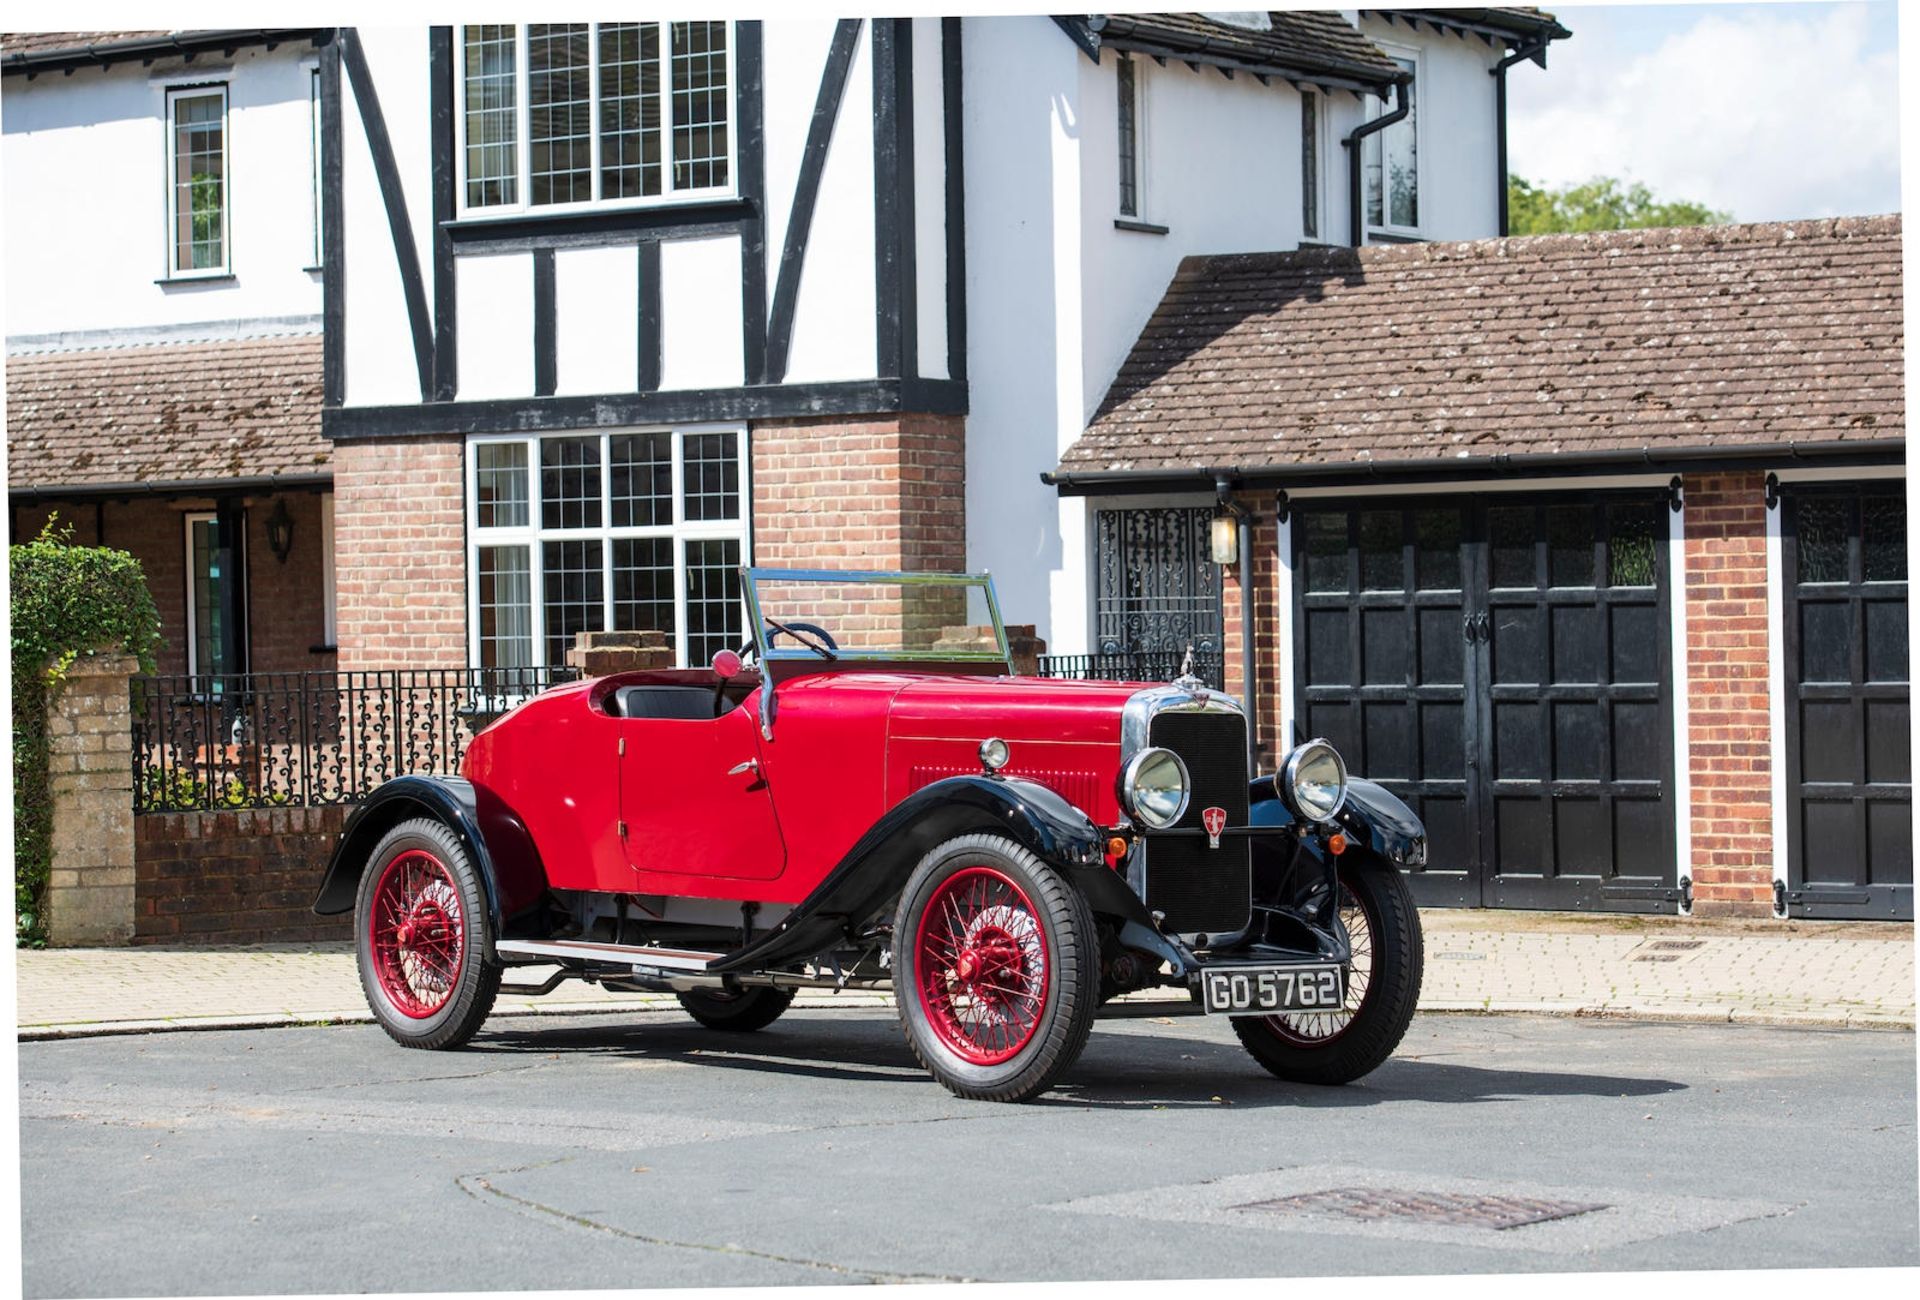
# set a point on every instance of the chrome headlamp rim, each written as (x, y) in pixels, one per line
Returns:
(1123, 787)
(1283, 780)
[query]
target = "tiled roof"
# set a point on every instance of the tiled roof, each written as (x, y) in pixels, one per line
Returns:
(1753, 334)
(1299, 41)
(1519, 20)
(165, 413)
(45, 42)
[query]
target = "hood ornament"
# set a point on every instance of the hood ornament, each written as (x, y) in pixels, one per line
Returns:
(1187, 679)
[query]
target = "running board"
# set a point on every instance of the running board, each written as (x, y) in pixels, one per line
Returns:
(619, 954)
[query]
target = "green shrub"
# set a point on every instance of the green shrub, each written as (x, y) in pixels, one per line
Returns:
(67, 600)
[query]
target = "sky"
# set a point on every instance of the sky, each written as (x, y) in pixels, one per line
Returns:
(1769, 111)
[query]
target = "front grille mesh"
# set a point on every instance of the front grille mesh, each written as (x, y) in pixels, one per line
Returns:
(1197, 887)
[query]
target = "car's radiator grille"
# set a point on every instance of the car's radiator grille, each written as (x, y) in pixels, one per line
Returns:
(1197, 887)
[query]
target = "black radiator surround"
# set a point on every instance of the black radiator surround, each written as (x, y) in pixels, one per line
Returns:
(1203, 889)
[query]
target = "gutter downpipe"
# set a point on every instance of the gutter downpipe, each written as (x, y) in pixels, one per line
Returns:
(1536, 51)
(1356, 219)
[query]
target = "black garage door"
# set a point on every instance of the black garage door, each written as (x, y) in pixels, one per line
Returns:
(1502, 665)
(1849, 762)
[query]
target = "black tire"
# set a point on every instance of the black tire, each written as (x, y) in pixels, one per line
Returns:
(1321, 1049)
(993, 1035)
(450, 995)
(738, 1012)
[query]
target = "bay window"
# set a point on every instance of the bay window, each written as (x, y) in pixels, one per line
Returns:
(629, 531)
(556, 115)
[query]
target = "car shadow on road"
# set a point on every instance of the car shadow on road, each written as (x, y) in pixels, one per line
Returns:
(1118, 1071)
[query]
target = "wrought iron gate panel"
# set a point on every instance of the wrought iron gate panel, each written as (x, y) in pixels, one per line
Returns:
(1157, 587)
(1849, 732)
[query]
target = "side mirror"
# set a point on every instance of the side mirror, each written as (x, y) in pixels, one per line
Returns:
(727, 664)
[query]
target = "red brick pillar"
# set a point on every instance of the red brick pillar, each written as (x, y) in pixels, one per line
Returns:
(399, 535)
(1728, 755)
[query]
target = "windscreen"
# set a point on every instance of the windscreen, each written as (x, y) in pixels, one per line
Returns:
(875, 615)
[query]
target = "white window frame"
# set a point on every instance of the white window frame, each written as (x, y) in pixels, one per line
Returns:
(314, 146)
(1374, 107)
(187, 521)
(175, 94)
(532, 535)
(523, 123)
(1140, 205)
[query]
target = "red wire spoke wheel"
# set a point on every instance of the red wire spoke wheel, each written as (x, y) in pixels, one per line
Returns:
(1383, 986)
(421, 931)
(996, 968)
(981, 965)
(418, 933)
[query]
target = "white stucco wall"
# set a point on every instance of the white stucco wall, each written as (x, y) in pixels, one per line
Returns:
(833, 319)
(84, 167)
(930, 198)
(699, 317)
(596, 319)
(495, 352)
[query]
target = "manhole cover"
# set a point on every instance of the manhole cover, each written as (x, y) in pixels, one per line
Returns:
(1658, 956)
(1676, 945)
(1455, 1209)
(1460, 956)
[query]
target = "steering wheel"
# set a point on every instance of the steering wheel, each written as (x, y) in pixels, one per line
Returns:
(811, 635)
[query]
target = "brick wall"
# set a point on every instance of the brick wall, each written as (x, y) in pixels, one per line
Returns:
(286, 602)
(1263, 537)
(1728, 755)
(400, 553)
(882, 493)
(245, 876)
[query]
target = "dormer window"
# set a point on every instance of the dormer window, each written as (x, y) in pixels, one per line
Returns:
(565, 115)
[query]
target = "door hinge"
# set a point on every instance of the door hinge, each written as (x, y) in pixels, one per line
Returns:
(623, 830)
(623, 746)
(1686, 893)
(1676, 501)
(1779, 898)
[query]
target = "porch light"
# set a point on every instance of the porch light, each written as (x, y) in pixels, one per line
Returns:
(1224, 534)
(280, 530)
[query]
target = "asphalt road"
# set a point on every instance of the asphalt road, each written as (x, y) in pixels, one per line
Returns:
(601, 1152)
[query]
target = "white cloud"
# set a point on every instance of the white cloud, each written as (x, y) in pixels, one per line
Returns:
(1770, 116)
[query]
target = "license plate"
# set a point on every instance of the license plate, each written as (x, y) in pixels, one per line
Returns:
(1264, 990)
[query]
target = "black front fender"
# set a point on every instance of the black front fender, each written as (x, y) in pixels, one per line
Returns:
(451, 800)
(871, 875)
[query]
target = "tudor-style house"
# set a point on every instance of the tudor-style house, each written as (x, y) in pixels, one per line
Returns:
(1182, 325)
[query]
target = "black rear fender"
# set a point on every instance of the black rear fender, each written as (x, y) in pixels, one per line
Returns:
(495, 839)
(868, 880)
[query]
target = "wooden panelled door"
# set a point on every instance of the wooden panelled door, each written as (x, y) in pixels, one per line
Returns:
(1502, 664)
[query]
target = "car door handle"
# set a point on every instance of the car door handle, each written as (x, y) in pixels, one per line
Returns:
(751, 765)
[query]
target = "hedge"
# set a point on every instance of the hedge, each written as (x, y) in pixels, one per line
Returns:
(67, 600)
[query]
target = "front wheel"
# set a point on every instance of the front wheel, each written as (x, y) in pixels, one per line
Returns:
(996, 969)
(1334, 1047)
(420, 934)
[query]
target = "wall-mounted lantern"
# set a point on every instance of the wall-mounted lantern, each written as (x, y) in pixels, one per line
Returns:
(1223, 535)
(280, 530)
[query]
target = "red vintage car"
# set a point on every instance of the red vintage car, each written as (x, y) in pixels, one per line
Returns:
(851, 802)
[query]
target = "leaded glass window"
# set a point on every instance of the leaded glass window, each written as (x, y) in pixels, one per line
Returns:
(1129, 127)
(632, 531)
(576, 113)
(197, 180)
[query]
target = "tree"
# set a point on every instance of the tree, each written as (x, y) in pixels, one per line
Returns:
(1602, 203)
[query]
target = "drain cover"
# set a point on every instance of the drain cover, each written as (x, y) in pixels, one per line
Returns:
(1452, 1209)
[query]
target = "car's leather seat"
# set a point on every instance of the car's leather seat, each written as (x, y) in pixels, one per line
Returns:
(680, 702)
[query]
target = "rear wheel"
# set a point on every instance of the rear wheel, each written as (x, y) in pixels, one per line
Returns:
(1333, 1047)
(420, 924)
(739, 1011)
(996, 969)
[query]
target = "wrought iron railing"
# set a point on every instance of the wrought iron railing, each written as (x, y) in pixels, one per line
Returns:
(1131, 666)
(265, 740)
